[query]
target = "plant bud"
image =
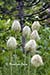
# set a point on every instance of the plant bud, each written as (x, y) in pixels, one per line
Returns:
(11, 43)
(31, 46)
(26, 31)
(35, 35)
(36, 25)
(16, 26)
(36, 60)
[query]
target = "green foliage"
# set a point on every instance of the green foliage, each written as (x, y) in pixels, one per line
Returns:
(43, 49)
(17, 55)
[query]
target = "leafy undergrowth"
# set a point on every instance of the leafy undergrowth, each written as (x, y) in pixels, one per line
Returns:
(20, 58)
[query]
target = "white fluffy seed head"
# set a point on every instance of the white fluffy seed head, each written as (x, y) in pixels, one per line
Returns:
(35, 35)
(16, 26)
(31, 46)
(36, 25)
(11, 43)
(36, 60)
(26, 31)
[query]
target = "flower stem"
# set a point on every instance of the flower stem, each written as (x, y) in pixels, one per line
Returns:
(35, 71)
(29, 65)
(10, 62)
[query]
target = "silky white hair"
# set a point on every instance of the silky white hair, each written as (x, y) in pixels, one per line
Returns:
(11, 43)
(31, 46)
(35, 35)
(36, 60)
(26, 31)
(36, 25)
(16, 26)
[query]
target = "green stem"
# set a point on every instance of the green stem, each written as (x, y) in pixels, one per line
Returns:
(16, 67)
(35, 71)
(10, 62)
(24, 63)
(29, 65)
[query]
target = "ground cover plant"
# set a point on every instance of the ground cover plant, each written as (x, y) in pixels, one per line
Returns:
(24, 38)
